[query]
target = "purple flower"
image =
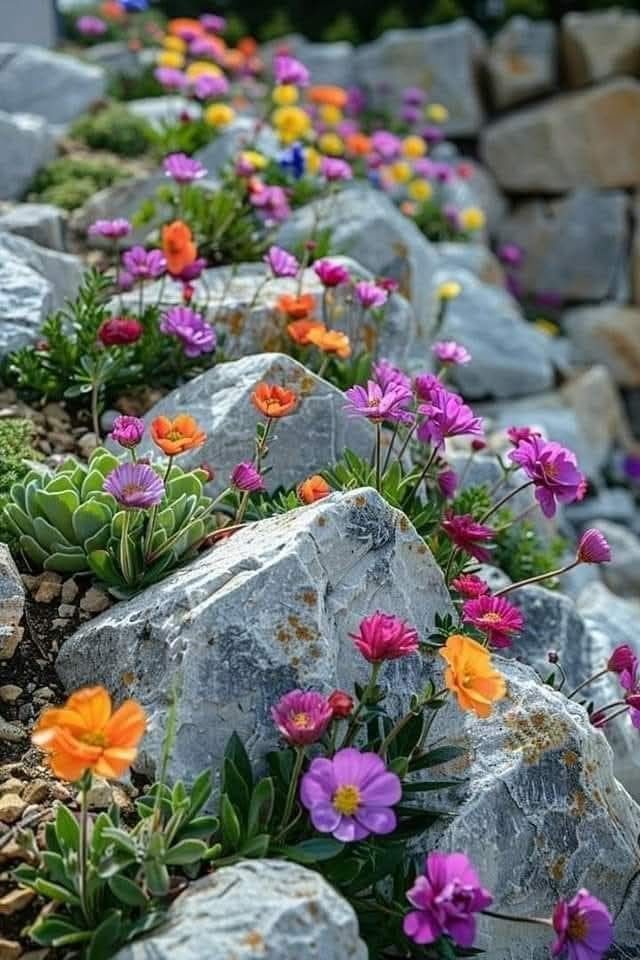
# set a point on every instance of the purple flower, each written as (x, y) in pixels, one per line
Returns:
(245, 477)
(511, 254)
(144, 264)
(386, 144)
(192, 270)
(593, 547)
(377, 403)
(333, 169)
(127, 431)
(126, 281)
(281, 262)
(171, 78)
(516, 434)
(448, 483)
(272, 203)
(388, 375)
(331, 274)
(189, 327)
(495, 617)
(203, 47)
(410, 114)
(553, 469)
(111, 229)
(427, 386)
(370, 295)
(468, 535)
(623, 659)
(445, 898)
(135, 486)
(183, 169)
(288, 70)
(302, 717)
(214, 23)
(447, 416)
(207, 86)
(584, 928)
(631, 467)
(448, 351)
(90, 26)
(432, 134)
(351, 795)
(414, 96)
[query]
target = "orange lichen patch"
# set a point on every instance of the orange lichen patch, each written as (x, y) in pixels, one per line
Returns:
(301, 631)
(557, 869)
(307, 385)
(309, 597)
(127, 678)
(579, 803)
(236, 321)
(255, 940)
(570, 758)
(322, 522)
(534, 734)
(360, 501)
(403, 523)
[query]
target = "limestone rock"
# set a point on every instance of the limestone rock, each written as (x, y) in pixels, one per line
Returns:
(161, 110)
(600, 44)
(261, 613)
(609, 334)
(611, 503)
(578, 139)
(51, 85)
(622, 574)
(116, 57)
(522, 61)
(475, 258)
(123, 199)
(25, 300)
(12, 597)
(478, 190)
(254, 909)
(63, 271)
(27, 144)
(42, 223)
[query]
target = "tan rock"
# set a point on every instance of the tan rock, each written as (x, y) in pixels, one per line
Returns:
(49, 589)
(70, 590)
(600, 44)
(9, 692)
(12, 785)
(15, 900)
(11, 732)
(36, 792)
(11, 808)
(95, 601)
(522, 61)
(609, 334)
(9, 949)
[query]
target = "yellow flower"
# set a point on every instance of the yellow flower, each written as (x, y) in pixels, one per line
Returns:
(546, 326)
(420, 190)
(437, 113)
(174, 43)
(219, 115)
(292, 123)
(170, 58)
(330, 114)
(449, 290)
(414, 147)
(331, 144)
(285, 95)
(255, 159)
(313, 159)
(472, 218)
(201, 68)
(400, 171)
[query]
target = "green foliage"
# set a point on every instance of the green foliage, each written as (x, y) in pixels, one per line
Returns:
(442, 11)
(181, 137)
(278, 25)
(343, 27)
(69, 182)
(16, 435)
(430, 218)
(392, 18)
(522, 552)
(114, 128)
(137, 86)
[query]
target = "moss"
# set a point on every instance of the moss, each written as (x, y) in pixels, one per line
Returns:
(69, 182)
(114, 128)
(16, 435)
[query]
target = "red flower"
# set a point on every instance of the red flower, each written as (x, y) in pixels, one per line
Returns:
(120, 330)
(341, 703)
(385, 637)
(496, 617)
(468, 535)
(470, 586)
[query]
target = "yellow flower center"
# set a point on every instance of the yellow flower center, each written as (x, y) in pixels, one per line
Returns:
(301, 720)
(578, 928)
(346, 799)
(491, 618)
(94, 739)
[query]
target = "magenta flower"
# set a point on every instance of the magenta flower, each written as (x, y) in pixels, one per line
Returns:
(370, 294)
(388, 375)
(110, 229)
(203, 47)
(385, 637)
(144, 264)
(207, 86)
(271, 203)
(135, 486)
(623, 659)
(470, 586)
(495, 617)
(468, 535)
(170, 78)
(414, 96)
(427, 386)
(517, 434)
(448, 351)
(197, 337)
(593, 547)
(448, 483)
(245, 477)
(584, 928)
(214, 23)
(511, 254)
(378, 403)
(301, 717)
(127, 431)
(351, 795)
(334, 170)
(445, 898)
(90, 26)
(331, 274)
(447, 416)
(191, 271)
(281, 262)
(182, 168)
(553, 469)
(386, 144)
(288, 70)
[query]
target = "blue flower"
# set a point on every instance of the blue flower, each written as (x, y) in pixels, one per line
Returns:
(292, 161)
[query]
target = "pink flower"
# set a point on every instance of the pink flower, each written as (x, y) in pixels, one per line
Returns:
(281, 262)
(245, 477)
(470, 586)
(584, 928)
(110, 229)
(623, 658)
(495, 617)
(196, 336)
(127, 431)
(447, 416)
(388, 375)
(448, 351)
(271, 203)
(90, 26)
(170, 78)
(287, 70)
(386, 144)
(467, 535)
(553, 469)
(378, 403)
(136, 486)
(351, 795)
(331, 274)
(207, 86)
(385, 637)
(301, 717)
(370, 294)
(448, 483)
(516, 434)
(182, 168)
(593, 547)
(511, 254)
(333, 169)
(144, 264)
(427, 386)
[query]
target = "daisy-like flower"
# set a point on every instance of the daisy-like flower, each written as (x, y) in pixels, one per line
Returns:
(553, 469)
(245, 477)
(334, 169)
(370, 295)
(378, 404)
(144, 264)
(447, 415)
(110, 229)
(385, 637)
(136, 486)
(182, 168)
(583, 926)
(471, 676)
(593, 547)
(450, 352)
(468, 535)
(281, 262)
(331, 274)
(470, 586)
(495, 617)
(290, 71)
(127, 431)
(302, 717)
(387, 375)
(196, 336)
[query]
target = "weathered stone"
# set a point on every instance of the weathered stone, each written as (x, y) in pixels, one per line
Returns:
(256, 908)
(116, 57)
(327, 63)
(32, 21)
(608, 333)
(121, 200)
(612, 503)
(442, 60)
(622, 574)
(42, 223)
(26, 144)
(243, 132)
(478, 190)
(600, 44)
(25, 300)
(522, 61)
(473, 257)
(158, 111)
(51, 85)
(579, 139)
(63, 271)
(269, 610)
(593, 225)
(540, 775)
(12, 807)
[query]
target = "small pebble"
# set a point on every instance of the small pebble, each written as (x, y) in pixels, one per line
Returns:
(9, 693)
(87, 444)
(11, 732)
(66, 610)
(48, 591)
(12, 785)
(95, 601)
(9, 949)
(70, 591)
(15, 900)
(11, 808)
(44, 693)
(36, 792)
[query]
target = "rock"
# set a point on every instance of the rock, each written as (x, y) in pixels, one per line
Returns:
(159, 111)
(522, 61)
(511, 358)
(87, 444)
(9, 692)
(100, 794)
(62, 271)
(95, 601)
(244, 131)
(578, 139)
(15, 900)
(26, 298)
(443, 60)
(600, 44)
(593, 224)
(540, 774)
(123, 199)
(607, 333)
(115, 57)
(12, 597)
(262, 613)
(622, 574)
(11, 732)
(51, 85)
(612, 503)
(475, 258)
(48, 589)
(41, 222)
(70, 590)
(12, 807)
(12, 785)
(9, 949)
(27, 144)
(314, 436)
(256, 908)
(478, 190)
(36, 792)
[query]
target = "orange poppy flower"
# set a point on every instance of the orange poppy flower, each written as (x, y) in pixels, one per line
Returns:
(112, 10)
(178, 435)
(178, 246)
(273, 401)
(85, 734)
(313, 488)
(297, 308)
(358, 144)
(299, 330)
(247, 46)
(178, 24)
(334, 96)
(331, 341)
(471, 676)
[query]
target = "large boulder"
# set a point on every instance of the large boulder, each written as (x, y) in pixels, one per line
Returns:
(522, 61)
(257, 910)
(479, 189)
(116, 57)
(123, 199)
(607, 333)
(43, 223)
(593, 225)
(443, 60)
(26, 298)
(622, 574)
(12, 597)
(600, 44)
(51, 85)
(476, 258)
(26, 144)
(578, 139)
(63, 271)
(269, 610)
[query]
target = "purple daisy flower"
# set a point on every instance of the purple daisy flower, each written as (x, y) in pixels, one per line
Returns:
(553, 469)
(182, 168)
(144, 264)
(388, 375)
(370, 294)
(302, 717)
(495, 617)
(290, 71)
(584, 928)
(197, 337)
(378, 403)
(281, 262)
(245, 477)
(135, 486)
(110, 229)
(213, 22)
(333, 169)
(593, 547)
(207, 86)
(171, 78)
(448, 351)
(447, 416)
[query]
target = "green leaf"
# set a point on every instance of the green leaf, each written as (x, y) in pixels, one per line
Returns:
(106, 937)
(55, 891)
(122, 840)
(261, 806)
(186, 851)
(200, 827)
(48, 535)
(103, 461)
(56, 869)
(58, 508)
(200, 792)
(256, 848)
(436, 757)
(47, 931)
(66, 562)
(89, 519)
(127, 891)
(20, 521)
(67, 829)
(157, 877)
(314, 851)
(103, 566)
(33, 551)
(92, 483)
(235, 788)
(229, 823)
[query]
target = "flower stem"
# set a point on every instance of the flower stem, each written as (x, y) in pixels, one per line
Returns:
(394, 437)
(618, 713)
(124, 549)
(291, 793)
(407, 440)
(504, 500)
(421, 478)
(541, 921)
(366, 693)
(378, 446)
(83, 852)
(95, 390)
(537, 579)
(585, 683)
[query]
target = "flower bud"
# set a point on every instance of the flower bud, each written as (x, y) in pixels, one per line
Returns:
(341, 703)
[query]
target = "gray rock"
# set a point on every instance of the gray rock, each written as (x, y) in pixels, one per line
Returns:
(578, 139)
(475, 258)
(51, 85)
(26, 298)
(27, 144)
(12, 596)
(593, 224)
(121, 200)
(63, 271)
(160, 110)
(32, 21)
(327, 63)
(607, 333)
(243, 132)
(612, 503)
(541, 776)
(600, 44)
(257, 908)
(522, 61)
(442, 60)
(479, 190)
(622, 574)
(115, 57)
(269, 610)
(41, 222)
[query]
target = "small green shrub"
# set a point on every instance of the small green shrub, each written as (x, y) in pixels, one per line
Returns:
(443, 11)
(68, 182)
(343, 27)
(115, 129)
(124, 86)
(16, 434)
(278, 25)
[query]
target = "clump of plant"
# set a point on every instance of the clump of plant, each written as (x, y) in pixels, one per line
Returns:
(134, 86)
(69, 182)
(113, 128)
(16, 450)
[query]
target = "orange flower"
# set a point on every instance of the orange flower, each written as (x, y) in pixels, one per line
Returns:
(313, 488)
(299, 330)
(297, 308)
(470, 674)
(273, 401)
(178, 24)
(247, 46)
(334, 96)
(330, 341)
(112, 10)
(358, 144)
(85, 734)
(178, 246)
(178, 435)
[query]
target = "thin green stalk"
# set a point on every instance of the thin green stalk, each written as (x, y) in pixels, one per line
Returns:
(517, 919)
(585, 683)
(501, 503)
(95, 419)
(421, 478)
(291, 793)
(83, 847)
(537, 579)
(394, 437)
(366, 693)
(378, 445)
